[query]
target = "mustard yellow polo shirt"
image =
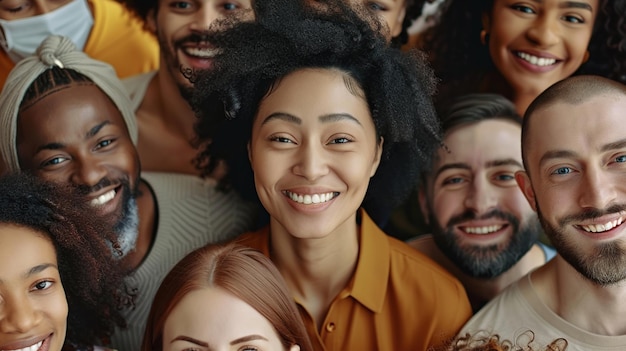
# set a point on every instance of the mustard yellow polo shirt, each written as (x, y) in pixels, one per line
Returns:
(397, 300)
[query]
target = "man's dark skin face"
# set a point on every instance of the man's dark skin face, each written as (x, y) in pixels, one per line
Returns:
(77, 135)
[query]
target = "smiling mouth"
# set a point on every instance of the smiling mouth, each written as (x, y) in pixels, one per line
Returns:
(34, 347)
(600, 228)
(535, 60)
(308, 199)
(201, 52)
(483, 229)
(104, 198)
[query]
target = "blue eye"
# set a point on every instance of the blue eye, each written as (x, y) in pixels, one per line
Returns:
(562, 170)
(505, 177)
(522, 8)
(230, 6)
(455, 180)
(104, 143)
(620, 159)
(280, 139)
(340, 141)
(42, 285)
(573, 19)
(53, 161)
(376, 7)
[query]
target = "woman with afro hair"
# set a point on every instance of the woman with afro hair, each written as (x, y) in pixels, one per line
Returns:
(327, 129)
(60, 286)
(519, 49)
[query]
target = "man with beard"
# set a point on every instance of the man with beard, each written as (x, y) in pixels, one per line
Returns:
(574, 150)
(483, 230)
(167, 140)
(66, 118)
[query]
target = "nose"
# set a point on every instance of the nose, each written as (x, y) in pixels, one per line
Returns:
(311, 161)
(88, 171)
(544, 32)
(481, 198)
(19, 316)
(598, 190)
(203, 18)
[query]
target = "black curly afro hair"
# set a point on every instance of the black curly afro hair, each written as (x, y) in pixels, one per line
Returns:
(287, 36)
(92, 277)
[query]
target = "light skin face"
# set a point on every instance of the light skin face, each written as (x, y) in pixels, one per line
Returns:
(180, 26)
(313, 150)
(474, 201)
(212, 319)
(16, 9)
(77, 135)
(534, 44)
(577, 169)
(33, 309)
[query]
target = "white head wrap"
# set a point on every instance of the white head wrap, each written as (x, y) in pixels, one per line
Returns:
(61, 52)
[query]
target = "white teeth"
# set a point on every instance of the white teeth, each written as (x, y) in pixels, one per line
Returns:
(599, 228)
(483, 230)
(308, 199)
(102, 199)
(29, 348)
(201, 52)
(537, 61)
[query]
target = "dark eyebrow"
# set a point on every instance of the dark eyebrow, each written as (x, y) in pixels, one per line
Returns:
(334, 117)
(50, 146)
(571, 5)
(247, 338)
(191, 340)
(282, 116)
(503, 162)
(452, 166)
(93, 131)
(38, 268)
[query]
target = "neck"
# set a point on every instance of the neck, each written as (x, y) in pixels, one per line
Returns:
(494, 82)
(174, 110)
(316, 270)
(482, 290)
(594, 308)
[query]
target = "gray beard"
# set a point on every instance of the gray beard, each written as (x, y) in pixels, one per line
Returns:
(127, 230)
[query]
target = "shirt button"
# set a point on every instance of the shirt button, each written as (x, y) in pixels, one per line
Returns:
(330, 327)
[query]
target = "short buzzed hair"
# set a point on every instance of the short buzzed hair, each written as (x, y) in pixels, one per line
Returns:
(574, 91)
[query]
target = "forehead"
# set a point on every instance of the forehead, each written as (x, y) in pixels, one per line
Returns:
(73, 108)
(582, 128)
(310, 93)
(22, 246)
(480, 142)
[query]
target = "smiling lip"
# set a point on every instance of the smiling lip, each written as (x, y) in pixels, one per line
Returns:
(604, 227)
(30, 344)
(536, 62)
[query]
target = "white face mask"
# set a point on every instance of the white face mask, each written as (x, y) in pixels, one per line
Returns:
(21, 37)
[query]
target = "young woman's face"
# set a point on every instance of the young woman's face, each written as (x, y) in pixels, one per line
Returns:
(535, 44)
(33, 308)
(313, 150)
(213, 319)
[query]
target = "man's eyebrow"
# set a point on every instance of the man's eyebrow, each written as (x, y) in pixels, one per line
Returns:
(248, 338)
(50, 146)
(191, 340)
(93, 131)
(334, 117)
(448, 166)
(620, 144)
(550, 155)
(503, 162)
(282, 116)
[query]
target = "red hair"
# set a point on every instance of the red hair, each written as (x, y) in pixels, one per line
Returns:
(246, 274)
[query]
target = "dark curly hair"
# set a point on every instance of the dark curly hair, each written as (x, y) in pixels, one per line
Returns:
(92, 278)
(288, 36)
(484, 341)
(141, 9)
(460, 60)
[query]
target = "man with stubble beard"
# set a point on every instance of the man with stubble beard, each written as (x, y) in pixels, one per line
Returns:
(167, 140)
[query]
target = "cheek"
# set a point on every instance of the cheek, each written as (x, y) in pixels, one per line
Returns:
(447, 204)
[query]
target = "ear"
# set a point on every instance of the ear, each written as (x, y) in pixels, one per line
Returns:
(486, 19)
(249, 152)
(421, 196)
(295, 347)
(399, 21)
(151, 21)
(379, 152)
(523, 181)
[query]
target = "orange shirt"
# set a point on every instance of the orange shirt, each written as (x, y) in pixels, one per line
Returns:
(116, 38)
(397, 300)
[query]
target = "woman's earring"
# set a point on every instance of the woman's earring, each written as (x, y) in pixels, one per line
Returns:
(483, 37)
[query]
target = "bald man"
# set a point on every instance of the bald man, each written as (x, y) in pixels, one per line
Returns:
(574, 152)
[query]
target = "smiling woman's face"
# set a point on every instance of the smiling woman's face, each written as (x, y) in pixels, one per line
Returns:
(33, 308)
(213, 319)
